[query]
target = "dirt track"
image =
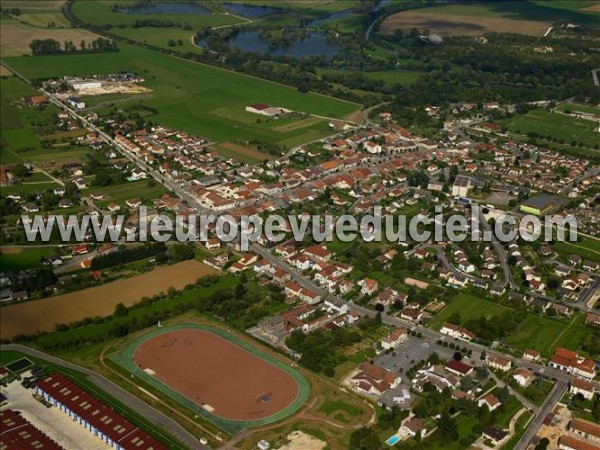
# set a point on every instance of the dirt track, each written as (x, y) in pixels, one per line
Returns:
(210, 370)
(27, 318)
(460, 25)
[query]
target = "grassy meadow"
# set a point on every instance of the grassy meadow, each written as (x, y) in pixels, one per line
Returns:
(197, 98)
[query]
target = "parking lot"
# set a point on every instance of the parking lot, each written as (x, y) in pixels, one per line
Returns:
(410, 353)
(51, 421)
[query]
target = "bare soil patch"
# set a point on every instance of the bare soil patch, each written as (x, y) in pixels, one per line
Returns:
(593, 8)
(460, 25)
(4, 72)
(245, 151)
(43, 315)
(17, 37)
(299, 440)
(225, 379)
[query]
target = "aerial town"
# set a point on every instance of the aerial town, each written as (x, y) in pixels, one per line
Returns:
(162, 114)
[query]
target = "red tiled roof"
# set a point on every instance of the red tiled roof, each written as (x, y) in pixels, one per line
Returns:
(18, 433)
(98, 414)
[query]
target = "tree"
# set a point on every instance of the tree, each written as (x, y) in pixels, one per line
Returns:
(120, 310)
(20, 171)
(448, 427)
(457, 356)
(504, 394)
(543, 444)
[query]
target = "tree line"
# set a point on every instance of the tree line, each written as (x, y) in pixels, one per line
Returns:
(54, 47)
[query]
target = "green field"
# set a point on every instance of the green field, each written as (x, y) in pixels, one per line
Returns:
(469, 307)
(588, 248)
(125, 359)
(197, 98)
(99, 13)
(555, 126)
(578, 107)
(159, 37)
(536, 332)
(541, 333)
(403, 77)
(26, 259)
(119, 193)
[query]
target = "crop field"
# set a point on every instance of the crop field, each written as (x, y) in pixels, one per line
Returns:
(521, 17)
(43, 315)
(39, 13)
(555, 126)
(16, 37)
(448, 24)
(208, 92)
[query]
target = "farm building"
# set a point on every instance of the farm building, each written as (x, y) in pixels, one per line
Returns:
(264, 110)
(82, 85)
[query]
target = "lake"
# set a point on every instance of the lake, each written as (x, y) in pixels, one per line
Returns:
(313, 44)
(251, 11)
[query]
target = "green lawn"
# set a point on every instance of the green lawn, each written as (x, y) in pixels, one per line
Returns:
(25, 259)
(507, 410)
(159, 37)
(469, 307)
(555, 126)
(578, 107)
(331, 406)
(536, 332)
(120, 192)
(197, 98)
(588, 248)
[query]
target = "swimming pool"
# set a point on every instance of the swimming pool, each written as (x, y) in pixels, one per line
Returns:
(393, 440)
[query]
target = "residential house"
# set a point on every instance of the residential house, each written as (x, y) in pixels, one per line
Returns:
(489, 400)
(373, 380)
(498, 362)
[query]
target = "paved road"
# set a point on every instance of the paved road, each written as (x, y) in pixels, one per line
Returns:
(427, 333)
(547, 407)
(155, 417)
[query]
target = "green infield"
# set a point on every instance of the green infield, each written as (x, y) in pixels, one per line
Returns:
(198, 98)
(125, 358)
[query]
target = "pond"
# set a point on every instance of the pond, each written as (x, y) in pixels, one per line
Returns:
(165, 8)
(313, 44)
(251, 11)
